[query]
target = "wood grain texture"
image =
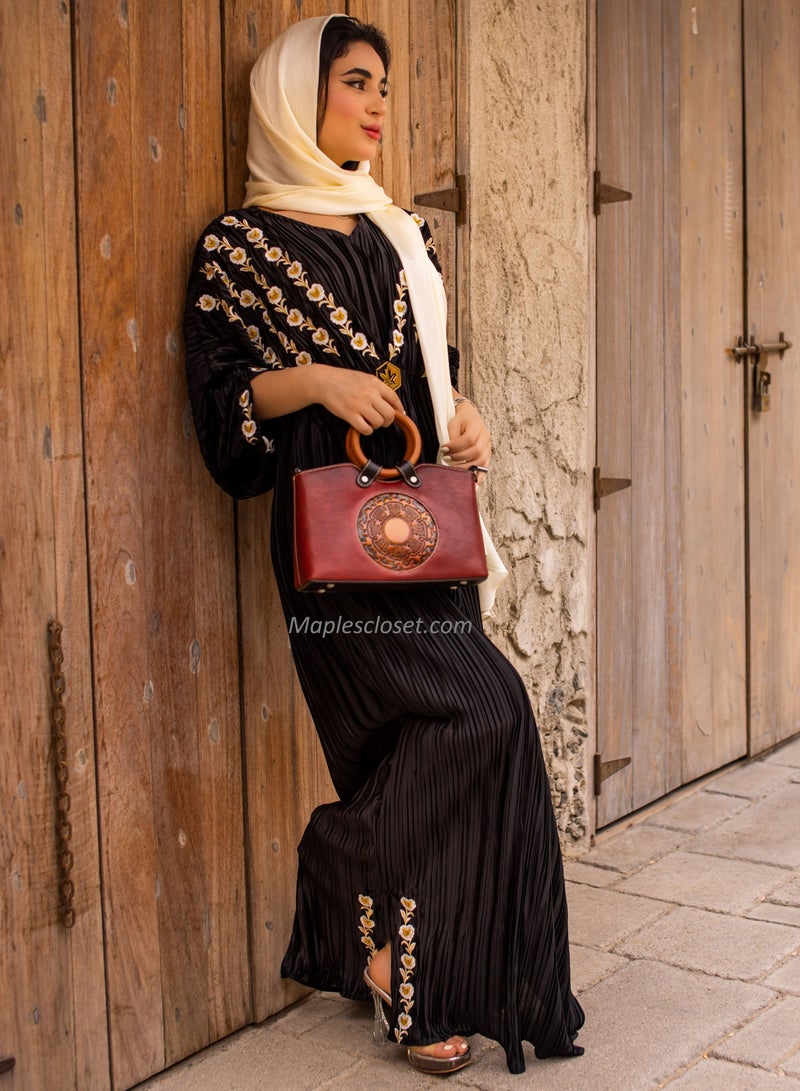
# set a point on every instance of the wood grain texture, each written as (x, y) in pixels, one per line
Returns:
(647, 375)
(671, 671)
(673, 529)
(53, 1018)
(615, 647)
(712, 448)
(432, 127)
(214, 597)
(772, 88)
(114, 459)
(161, 542)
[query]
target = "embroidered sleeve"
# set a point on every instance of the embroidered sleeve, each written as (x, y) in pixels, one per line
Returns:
(229, 340)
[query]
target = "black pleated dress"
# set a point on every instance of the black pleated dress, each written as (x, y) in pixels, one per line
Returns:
(443, 841)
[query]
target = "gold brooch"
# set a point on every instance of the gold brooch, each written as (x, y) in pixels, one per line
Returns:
(390, 374)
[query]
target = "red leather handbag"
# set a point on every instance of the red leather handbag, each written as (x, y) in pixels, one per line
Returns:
(359, 525)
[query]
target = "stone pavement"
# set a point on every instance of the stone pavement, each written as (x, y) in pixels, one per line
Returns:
(685, 927)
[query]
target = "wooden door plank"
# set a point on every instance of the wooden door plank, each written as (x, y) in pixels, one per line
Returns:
(53, 1020)
(648, 501)
(673, 529)
(772, 88)
(114, 460)
(87, 965)
(432, 125)
(712, 448)
(175, 655)
(166, 681)
(615, 648)
(214, 578)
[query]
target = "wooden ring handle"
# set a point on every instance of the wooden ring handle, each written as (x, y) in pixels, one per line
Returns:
(352, 446)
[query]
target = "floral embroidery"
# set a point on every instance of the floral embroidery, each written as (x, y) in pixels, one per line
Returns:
(249, 426)
(407, 966)
(418, 220)
(366, 924)
(272, 302)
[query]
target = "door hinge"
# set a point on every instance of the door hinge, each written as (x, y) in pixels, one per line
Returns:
(448, 200)
(605, 769)
(604, 486)
(607, 195)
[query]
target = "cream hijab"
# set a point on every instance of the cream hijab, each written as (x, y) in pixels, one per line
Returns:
(289, 173)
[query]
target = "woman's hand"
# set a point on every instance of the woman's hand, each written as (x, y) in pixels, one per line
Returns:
(362, 400)
(469, 441)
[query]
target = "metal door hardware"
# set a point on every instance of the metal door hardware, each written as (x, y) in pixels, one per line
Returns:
(604, 486)
(761, 396)
(753, 348)
(607, 195)
(762, 378)
(57, 723)
(605, 769)
(448, 200)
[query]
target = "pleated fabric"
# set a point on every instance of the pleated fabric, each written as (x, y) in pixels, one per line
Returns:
(443, 841)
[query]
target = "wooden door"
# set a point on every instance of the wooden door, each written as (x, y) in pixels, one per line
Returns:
(772, 107)
(671, 662)
(53, 1011)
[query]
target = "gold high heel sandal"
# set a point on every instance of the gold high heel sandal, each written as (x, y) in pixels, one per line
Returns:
(423, 1062)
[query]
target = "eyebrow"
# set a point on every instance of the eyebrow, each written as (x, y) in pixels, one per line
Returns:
(365, 72)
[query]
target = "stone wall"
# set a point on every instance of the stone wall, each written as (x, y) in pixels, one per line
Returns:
(528, 363)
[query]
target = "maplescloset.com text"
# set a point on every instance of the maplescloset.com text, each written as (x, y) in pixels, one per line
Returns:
(348, 626)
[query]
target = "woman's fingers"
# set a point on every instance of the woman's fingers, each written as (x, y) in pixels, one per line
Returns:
(362, 400)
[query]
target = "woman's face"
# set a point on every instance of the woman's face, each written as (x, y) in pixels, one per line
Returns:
(356, 106)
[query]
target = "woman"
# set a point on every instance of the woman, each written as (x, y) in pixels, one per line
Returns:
(435, 883)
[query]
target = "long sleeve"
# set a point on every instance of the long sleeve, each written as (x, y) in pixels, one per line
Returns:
(229, 339)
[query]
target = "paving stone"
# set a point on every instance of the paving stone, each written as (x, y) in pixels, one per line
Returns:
(643, 1023)
(767, 831)
(787, 754)
(240, 1062)
(791, 1065)
(768, 1037)
(709, 882)
(751, 781)
(733, 947)
(789, 894)
(696, 812)
(629, 849)
(309, 1014)
(601, 918)
(713, 1075)
(786, 977)
(589, 966)
(585, 873)
(780, 914)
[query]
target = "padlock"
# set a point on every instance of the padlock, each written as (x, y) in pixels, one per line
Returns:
(761, 396)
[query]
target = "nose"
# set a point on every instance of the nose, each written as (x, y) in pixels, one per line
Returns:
(378, 105)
